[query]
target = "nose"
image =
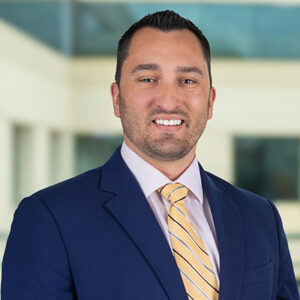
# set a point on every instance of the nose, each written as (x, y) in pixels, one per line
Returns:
(168, 97)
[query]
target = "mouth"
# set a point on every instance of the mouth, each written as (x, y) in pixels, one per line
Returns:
(168, 125)
(172, 122)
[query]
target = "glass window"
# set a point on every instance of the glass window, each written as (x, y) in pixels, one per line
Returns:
(91, 151)
(268, 166)
(93, 28)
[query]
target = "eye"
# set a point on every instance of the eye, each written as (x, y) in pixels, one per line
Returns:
(187, 81)
(147, 80)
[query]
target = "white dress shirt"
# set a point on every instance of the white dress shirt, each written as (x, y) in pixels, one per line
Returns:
(197, 206)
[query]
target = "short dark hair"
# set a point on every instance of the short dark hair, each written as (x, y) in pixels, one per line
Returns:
(166, 20)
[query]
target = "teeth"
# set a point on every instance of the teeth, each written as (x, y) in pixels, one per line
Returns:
(168, 122)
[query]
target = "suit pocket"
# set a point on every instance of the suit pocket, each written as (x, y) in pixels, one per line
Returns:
(259, 274)
(258, 283)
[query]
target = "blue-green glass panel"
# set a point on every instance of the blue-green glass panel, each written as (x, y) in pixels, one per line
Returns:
(93, 151)
(42, 19)
(268, 166)
(233, 29)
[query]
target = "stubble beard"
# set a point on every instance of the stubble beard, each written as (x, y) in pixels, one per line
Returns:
(165, 148)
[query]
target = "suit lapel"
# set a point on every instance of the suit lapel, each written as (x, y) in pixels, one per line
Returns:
(230, 237)
(131, 209)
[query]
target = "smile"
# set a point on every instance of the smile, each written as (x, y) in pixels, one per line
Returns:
(168, 122)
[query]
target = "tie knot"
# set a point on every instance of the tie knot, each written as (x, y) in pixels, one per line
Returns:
(174, 192)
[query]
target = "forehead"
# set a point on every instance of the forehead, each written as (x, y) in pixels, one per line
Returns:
(152, 41)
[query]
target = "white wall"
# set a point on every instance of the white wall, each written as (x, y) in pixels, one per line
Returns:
(92, 105)
(35, 93)
(34, 81)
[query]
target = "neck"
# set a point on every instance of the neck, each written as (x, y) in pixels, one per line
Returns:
(172, 169)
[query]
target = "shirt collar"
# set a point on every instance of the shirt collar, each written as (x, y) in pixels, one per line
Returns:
(150, 179)
(192, 180)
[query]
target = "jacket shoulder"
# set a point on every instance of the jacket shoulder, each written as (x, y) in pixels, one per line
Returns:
(71, 189)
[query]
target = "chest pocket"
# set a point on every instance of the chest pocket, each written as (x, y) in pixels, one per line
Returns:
(258, 283)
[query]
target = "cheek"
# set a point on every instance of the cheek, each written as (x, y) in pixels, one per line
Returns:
(139, 100)
(197, 103)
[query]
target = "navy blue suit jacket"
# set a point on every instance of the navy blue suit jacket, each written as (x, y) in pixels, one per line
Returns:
(95, 237)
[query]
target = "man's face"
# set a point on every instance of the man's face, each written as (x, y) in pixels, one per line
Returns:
(164, 99)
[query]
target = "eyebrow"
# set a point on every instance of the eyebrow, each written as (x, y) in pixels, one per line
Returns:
(156, 67)
(184, 69)
(145, 67)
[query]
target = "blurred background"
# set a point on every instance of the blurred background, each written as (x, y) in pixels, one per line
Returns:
(57, 61)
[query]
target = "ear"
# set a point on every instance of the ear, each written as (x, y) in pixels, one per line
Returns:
(212, 97)
(115, 95)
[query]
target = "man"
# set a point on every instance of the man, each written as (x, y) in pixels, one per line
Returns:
(119, 231)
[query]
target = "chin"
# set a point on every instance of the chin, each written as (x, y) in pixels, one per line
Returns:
(167, 153)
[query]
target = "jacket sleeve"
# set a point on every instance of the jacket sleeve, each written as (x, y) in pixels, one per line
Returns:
(287, 285)
(35, 264)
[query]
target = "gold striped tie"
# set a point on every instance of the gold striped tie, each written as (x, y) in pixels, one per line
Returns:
(190, 253)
